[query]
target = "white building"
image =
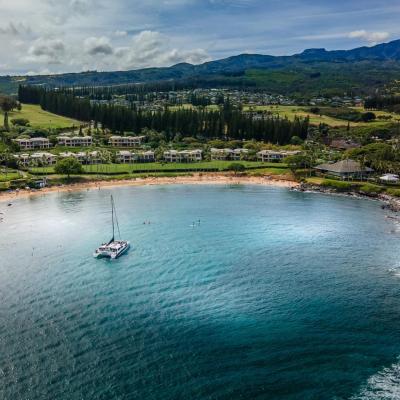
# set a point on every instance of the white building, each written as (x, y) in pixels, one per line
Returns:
(228, 154)
(75, 141)
(43, 159)
(40, 159)
(389, 178)
(147, 156)
(126, 141)
(83, 157)
(125, 157)
(274, 155)
(33, 143)
(128, 157)
(239, 154)
(221, 154)
(183, 156)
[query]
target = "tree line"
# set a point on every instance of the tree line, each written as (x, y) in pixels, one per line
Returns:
(227, 122)
(391, 103)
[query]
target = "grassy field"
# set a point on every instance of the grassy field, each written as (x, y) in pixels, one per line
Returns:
(41, 119)
(212, 107)
(378, 113)
(160, 167)
(292, 111)
(9, 176)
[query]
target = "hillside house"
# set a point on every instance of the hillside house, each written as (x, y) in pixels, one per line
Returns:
(75, 141)
(33, 143)
(344, 169)
(274, 155)
(126, 141)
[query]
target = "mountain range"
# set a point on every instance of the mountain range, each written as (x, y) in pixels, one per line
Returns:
(313, 72)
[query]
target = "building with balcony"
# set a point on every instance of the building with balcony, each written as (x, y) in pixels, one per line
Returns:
(274, 155)
(33, 143)
(126, 141)
(75, 141)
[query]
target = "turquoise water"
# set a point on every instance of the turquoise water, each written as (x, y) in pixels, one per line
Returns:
(275, 295)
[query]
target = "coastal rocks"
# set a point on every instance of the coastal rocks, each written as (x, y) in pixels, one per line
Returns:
(390, 203)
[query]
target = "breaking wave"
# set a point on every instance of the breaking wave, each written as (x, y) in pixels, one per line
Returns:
(385, 385)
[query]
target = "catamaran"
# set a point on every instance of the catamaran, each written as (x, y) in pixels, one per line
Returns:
(114, 248)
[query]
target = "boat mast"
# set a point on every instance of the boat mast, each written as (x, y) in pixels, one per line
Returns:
(112, 217)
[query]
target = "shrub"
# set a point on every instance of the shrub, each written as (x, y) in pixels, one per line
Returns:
(393, 192)
(369, 188)
(68, 166)
(20, 121)
(368, 116)
(236, 167)
(340, 186)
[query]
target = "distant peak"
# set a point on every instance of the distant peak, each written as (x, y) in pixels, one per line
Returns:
(314, 51)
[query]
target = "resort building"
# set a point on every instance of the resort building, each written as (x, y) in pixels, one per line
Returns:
(147, 156)
(125, 157)
(92, 157)
(239, 154)
(228, 154)
(43, 159)
(128, 157)
(221, 154)
(33, 143)
(274, 155)
(36, 159)
(342, 144)
(75, 141)
(389, 178)
(183, 156)
(23, 160)
(345, 169)
(126, 141)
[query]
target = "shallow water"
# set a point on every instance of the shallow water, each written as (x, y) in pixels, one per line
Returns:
(274, 295)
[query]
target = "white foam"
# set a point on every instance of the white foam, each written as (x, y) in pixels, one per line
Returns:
(385, 385)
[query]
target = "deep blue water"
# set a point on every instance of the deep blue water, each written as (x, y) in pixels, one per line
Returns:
(275, 295)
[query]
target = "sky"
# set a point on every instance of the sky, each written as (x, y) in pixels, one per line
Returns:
(55, 36)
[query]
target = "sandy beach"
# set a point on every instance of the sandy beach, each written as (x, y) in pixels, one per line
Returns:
(195, 179)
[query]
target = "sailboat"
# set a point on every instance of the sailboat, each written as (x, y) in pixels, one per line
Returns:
(114, 248)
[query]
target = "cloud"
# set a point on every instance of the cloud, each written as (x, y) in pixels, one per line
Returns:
(98, 46)
(120, 33)
(74, 35)
(46, 50)
(370, 37)
(13, 29)
(80, 6)
(151, 48)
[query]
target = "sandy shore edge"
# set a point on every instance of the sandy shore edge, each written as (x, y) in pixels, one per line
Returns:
(196, 179)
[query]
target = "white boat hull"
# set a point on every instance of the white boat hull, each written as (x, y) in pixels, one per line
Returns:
(112, 250)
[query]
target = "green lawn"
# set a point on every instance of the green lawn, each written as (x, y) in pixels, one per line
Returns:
(292, 111)
(211, 107)
(9, 176)
(164, 167)
(39, 118)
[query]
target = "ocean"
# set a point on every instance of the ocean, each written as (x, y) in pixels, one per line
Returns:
(228, 292)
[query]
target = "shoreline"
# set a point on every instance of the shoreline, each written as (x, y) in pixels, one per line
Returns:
(392, 203)
(195, 179)
(389, 202)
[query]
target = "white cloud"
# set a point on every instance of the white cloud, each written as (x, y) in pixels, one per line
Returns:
(151, 48)
(370, 37)
(120, 33)
(12, 29)
(46, 50)
(98, 46)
